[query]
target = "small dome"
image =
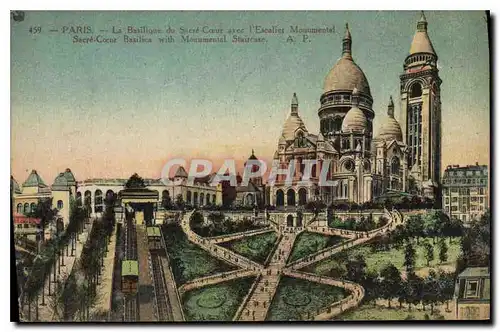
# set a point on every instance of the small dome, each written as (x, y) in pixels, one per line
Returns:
(293, 123)
(355, 119)
(346, 75)
(390, 130)
(69, 176)
(60, 182)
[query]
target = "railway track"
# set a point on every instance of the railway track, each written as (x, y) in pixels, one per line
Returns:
(130, 309)
(130, 241)
(162, 304)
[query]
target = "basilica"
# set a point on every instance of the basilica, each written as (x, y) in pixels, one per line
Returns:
(404, 157)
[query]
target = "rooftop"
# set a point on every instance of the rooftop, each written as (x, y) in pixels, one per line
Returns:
(475, 272)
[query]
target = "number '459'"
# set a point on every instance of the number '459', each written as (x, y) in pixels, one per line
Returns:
(34, 30)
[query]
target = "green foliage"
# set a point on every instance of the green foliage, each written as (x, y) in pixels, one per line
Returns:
(256, 247)
(179, 201)
(187, 259)
(296, 297)
(217, 302)
(390, 282)
(443, 251)
(428, 251)
(475, 244)
(308, 243)
(220, 225)
(135, 182)
(409, 260)
(356, 268)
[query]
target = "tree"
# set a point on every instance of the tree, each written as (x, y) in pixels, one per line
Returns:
(415, 226)
(414, 295)
(135, 182)
(409, 260)
(443, 251)
(428, 252)
(447, 287)
(356, 268)
(391, 282)
(45, 213)
(371, 284)
(179, 201)
(430, 291)
(435, 223)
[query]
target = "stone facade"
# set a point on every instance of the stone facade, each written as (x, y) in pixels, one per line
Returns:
(465, 191)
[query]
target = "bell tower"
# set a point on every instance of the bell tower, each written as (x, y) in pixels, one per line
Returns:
(421, 110)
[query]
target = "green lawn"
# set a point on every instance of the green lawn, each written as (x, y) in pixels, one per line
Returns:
(188, 260)
(296, 297)
(376, 260)
(308, 243)
(371, 312)
(256, 247)
(217, 302)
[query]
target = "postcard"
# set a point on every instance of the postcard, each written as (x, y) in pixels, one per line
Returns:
(250, 166)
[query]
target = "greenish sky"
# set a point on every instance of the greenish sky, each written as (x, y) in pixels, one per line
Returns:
(114, 109)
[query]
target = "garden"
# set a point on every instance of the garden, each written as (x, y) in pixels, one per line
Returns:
(187, 259)
(218, 224)
(369, 312)
(308, 243)
(216, 302)
(295, 298)
(256, 247)
(376, 256)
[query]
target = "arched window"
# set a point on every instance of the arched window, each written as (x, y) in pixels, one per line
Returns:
(79, 199)
(290, 197)
(19, 208)
(366, 166)
(300, 141)
(280, 198)
(188, 197)
(202, 198)
(88, 199)
(33, 207)
(213, 199)
(195, 199)
(289, 221)
(249, 200)
(302, 196)
(208, 199)
(110, 195)
(337, 123)
(415, 90)
(60, 204)
(395, 164)
(98, 201)
(26, 208)
(345, 190)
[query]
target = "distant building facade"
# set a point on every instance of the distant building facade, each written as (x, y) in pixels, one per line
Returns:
(472, 294)
(92, 192)
(465, 191)
(34, 189)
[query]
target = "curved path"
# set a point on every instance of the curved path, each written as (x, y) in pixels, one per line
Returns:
(256, 304)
